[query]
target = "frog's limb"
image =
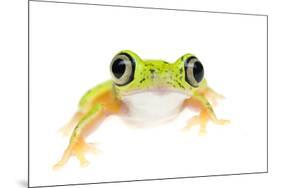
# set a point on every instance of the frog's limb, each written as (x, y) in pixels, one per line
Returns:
(71, 124)
(96, 109)
(77, 145)
(85, 104)
(87, 124)
(212, 95)
(206, 113)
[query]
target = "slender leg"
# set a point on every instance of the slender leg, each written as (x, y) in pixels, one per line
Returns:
(211, 95)
(89, 122)
(72, 123)
(206, 113)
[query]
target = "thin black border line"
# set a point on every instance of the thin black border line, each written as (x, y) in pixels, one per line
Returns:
(153, 179)
(155, 8)
(267, 150)
(136, 180)
(28, 94)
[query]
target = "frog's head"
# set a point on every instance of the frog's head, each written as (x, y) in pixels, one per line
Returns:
(131, 74)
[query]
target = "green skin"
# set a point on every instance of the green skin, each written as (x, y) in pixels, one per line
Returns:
(149, 75)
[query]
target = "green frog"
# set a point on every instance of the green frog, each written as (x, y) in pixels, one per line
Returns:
(143, 92)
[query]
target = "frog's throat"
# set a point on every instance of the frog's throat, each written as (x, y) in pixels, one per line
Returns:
(153, 106)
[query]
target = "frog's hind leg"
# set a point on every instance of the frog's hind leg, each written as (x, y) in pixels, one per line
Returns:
(72, 123)
(206, 113)
(197, 120)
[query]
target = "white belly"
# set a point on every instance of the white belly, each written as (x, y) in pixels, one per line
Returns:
(153, 107)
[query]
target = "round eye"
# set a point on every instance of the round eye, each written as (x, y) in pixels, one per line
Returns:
(122, 69)
(194, 71)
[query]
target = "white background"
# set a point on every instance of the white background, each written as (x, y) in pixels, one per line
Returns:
(71, 48)
(14, 147)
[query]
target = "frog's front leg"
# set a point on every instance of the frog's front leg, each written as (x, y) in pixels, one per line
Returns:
(211, 95)
(206, 113)
(89, 122)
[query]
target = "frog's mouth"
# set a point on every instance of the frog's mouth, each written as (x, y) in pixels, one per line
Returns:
(156, 91)
(152, 106)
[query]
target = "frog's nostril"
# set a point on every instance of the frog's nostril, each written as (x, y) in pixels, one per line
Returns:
(153, 76)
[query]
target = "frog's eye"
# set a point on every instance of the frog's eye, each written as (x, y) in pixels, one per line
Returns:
(194, 71)
(122, 69)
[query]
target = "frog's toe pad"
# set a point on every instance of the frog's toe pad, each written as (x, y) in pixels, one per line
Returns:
(77, 149)
(57, 166)
(195, 120)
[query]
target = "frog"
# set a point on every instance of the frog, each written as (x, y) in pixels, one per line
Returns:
(181, 84)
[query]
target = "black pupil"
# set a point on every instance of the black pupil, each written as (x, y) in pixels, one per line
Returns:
(198, 71)
(118, 68)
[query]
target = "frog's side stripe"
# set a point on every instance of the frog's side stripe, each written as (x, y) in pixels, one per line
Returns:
(83, 122)
(95, 92)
